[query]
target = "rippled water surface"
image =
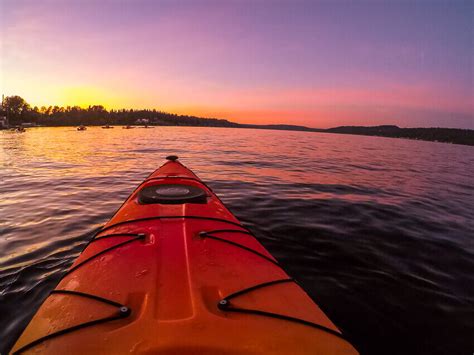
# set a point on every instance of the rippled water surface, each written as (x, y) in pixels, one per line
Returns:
(378, 231)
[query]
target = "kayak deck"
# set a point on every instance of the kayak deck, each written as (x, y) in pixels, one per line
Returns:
(178, 278)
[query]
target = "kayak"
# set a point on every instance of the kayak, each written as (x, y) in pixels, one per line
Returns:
(175, 272)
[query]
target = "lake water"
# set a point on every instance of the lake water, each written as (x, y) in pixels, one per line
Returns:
(378, 231)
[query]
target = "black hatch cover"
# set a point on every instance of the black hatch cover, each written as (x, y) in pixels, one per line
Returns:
(172, 194)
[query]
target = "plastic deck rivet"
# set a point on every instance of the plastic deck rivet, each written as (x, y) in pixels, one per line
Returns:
(223, 304)
(124, 311)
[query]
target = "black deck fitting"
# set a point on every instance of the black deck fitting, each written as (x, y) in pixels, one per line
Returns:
(172, 157)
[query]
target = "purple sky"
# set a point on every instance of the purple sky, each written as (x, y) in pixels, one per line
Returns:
(317, 63)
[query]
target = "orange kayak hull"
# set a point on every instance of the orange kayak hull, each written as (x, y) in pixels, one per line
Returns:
(178, 278)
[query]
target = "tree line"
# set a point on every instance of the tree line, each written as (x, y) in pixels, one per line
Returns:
(19, 111)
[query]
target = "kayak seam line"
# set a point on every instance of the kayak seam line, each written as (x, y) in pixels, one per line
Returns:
(169, 217)
(206, 235)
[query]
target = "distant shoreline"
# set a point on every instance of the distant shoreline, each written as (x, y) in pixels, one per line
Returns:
(16, 112)
(441, 135)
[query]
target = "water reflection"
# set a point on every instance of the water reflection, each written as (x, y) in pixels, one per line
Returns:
(378, 230)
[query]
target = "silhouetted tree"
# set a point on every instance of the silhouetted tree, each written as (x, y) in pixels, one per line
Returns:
(15, 106)
(21, 112)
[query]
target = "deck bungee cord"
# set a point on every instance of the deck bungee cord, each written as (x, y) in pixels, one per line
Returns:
(77, 266)
(169, 217)
(225, 305)
(123, 311)
(207, 235)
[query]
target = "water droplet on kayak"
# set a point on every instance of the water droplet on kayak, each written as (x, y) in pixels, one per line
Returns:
(141, 273)
(134, 347)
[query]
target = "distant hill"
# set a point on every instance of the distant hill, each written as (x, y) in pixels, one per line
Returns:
(283, 127)
(446, 135)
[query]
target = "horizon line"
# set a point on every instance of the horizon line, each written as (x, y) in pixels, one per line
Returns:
(108, 109)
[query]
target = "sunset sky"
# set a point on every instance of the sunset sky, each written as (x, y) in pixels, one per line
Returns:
(314, 63)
